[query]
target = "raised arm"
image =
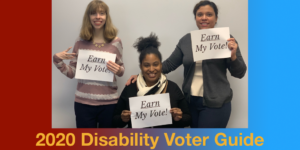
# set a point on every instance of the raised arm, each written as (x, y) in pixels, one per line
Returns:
(120, 110)
(236, 64)
(174, 61)
(67, 70)
(117, 67)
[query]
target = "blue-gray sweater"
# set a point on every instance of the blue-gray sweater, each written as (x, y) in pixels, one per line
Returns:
(217, 89)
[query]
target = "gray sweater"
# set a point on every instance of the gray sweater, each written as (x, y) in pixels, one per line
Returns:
(217, 89)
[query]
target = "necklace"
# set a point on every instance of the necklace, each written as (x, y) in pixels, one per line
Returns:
(99, 45)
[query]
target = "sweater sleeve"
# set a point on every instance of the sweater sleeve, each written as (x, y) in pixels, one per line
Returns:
(121, 105)
(237, 67)
(183, 105)
(174, 61)
(119, 61)
(67, 70)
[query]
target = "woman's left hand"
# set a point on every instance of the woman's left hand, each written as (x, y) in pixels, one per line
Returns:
(232, 45)
(113, 67)
(176, 113)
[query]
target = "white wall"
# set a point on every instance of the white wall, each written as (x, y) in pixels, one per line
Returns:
(169, 19)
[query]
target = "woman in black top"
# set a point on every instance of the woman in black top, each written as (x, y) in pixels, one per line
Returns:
(152, 81)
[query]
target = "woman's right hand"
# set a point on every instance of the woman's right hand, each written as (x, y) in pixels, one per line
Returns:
(132, 79)
(65, 55)
(125, 115)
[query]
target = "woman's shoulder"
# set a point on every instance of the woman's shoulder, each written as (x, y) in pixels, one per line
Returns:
(79, 40)
(127, 90)
(186, 37)
(116, 39)
(174, 90)
(131, 85)
(172, 85)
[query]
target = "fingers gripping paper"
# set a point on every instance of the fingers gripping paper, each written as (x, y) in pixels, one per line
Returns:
(91, 65)
(151, 110)
(210, 43)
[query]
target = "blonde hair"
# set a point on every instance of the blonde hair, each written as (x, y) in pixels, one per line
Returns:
(86, 32)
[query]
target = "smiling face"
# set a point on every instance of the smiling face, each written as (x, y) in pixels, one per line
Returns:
(98, 19)
(151, 69)
(206, 17)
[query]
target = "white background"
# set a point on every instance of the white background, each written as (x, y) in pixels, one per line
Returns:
(169, 19)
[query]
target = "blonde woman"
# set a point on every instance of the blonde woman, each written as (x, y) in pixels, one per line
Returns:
(94, 100)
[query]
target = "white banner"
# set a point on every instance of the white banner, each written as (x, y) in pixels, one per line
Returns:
(210, 43)
(150, 110)
(91, 65)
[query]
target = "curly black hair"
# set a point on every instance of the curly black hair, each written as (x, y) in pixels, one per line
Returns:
(147, 45)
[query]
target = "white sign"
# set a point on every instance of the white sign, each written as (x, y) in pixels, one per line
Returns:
(91, 65)
(210, 43)
(150, 110)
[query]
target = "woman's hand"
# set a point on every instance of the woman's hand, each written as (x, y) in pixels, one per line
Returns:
(232, 45)
(176, 113)
(125, 115)
(113, 67)
(133, 78)
(65, 55)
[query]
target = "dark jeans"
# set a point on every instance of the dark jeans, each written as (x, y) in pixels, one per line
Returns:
(88, 116)
(205, 117)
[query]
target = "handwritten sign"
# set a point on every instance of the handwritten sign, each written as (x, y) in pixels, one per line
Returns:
(91, 65)
(150, 110)
(210, 43)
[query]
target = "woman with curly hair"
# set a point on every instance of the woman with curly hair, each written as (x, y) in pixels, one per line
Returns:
(205, 84)
(150, 81)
